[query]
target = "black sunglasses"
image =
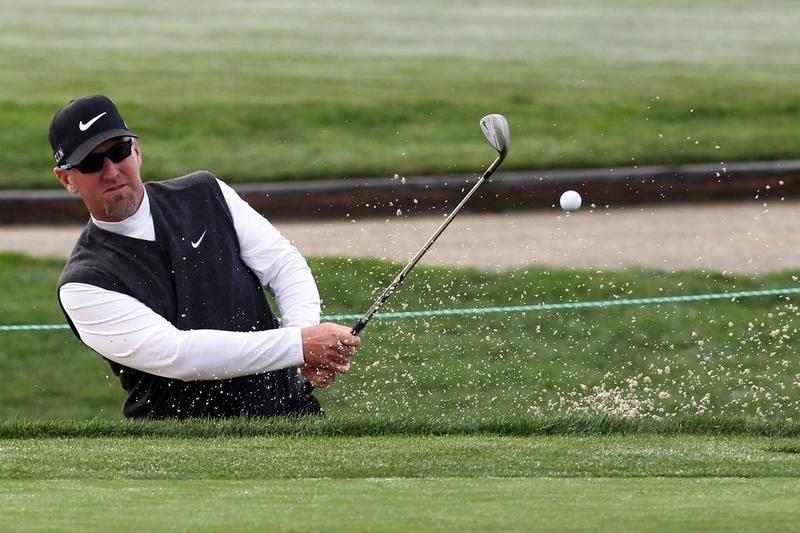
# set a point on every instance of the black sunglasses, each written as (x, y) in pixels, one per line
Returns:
(94, 162)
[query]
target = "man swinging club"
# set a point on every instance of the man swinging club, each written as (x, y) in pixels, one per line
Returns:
(166, 282)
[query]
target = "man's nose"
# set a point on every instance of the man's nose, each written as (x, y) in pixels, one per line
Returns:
(110, 169)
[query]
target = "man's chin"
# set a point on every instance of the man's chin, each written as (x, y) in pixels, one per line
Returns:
(121, 206)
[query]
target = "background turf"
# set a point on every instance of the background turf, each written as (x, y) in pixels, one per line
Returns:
(262, 91)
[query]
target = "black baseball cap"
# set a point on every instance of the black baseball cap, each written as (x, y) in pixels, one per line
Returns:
(82, 125)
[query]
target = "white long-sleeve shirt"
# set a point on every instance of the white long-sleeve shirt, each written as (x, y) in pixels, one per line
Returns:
(124, 330)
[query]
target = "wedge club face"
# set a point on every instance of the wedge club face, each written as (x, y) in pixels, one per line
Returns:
(495, 128)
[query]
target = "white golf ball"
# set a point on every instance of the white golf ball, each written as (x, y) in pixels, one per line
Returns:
(570, 201)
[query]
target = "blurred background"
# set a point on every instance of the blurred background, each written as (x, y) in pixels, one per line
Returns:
(267, 91)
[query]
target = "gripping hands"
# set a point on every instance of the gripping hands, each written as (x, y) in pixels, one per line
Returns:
(327, 350)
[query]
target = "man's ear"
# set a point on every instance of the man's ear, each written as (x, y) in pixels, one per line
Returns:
(64, 178)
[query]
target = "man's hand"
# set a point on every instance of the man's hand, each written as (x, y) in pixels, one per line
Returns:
(319, 378)
(328, 347)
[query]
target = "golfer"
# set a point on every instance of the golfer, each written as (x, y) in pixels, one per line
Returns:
(167, 280)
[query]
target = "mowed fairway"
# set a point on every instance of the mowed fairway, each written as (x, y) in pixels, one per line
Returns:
(401, 483)
(387, 504)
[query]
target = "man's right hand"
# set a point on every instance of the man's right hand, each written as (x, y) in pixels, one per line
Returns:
(319, 378)
(329, 346)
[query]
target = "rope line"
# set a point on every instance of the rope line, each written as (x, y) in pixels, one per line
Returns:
(507, 309)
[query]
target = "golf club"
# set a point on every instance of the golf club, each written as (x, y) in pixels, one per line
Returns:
(495, 128)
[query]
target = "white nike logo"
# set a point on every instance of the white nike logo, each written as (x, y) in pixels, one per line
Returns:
(195, 244)
(84, 127)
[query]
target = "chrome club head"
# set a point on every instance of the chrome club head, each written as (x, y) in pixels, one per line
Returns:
(495, 128)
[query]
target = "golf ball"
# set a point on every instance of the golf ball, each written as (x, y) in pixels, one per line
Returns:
(570, 201)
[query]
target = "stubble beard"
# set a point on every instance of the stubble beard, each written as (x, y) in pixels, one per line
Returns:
(121, 206)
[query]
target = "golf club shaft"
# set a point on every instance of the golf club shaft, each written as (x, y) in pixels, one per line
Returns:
(362, 322)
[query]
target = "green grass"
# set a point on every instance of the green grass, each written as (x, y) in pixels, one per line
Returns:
(388, 504)
(282, 91)
(343, 457)
(546, 420)
(401, 425)
(400, 483)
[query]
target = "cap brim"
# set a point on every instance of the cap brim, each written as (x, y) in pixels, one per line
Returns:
(91, 143)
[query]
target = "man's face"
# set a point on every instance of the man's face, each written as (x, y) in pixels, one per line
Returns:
(112, 193)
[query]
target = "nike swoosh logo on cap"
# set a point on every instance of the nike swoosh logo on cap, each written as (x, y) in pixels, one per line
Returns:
(84, 127)
(196, 243)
